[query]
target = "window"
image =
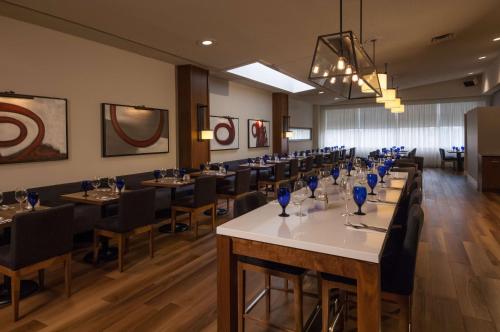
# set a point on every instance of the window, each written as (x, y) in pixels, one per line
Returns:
(426, 127)
(301, 134)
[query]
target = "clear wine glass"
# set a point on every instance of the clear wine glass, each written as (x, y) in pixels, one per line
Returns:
(300, 194)
(163, 173)
(176, 173)
(346, 190)
(20, 195)
(112, 184)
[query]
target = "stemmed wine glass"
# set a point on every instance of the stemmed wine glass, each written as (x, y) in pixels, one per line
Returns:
(299, 195)
(163, 173)
(359, 196)
(96, 182)
(381, 173)
(372, 180)
(112, 184)
(335, 172)
(388, 165)
(156, 174)
(86, 186)
(33, 199)
(345, 187)
(284, 199)
(349, 168)
(20, 195)
(120, 183)
(313, 184)
(176, 173)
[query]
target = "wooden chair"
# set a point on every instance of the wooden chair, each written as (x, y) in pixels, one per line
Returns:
(240, 187)
(39, 239)
(274, 180)
(136, 215)
(397, 274)
(307, 167)
(445, 159)
(289, 273)
(204, 199)
(293, 171)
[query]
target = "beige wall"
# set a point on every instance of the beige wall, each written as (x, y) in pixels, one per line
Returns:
(36, 60)
(301, 115)
(243, 102)
(491, 76)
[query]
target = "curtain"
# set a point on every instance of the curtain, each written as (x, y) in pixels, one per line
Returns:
(426, 127)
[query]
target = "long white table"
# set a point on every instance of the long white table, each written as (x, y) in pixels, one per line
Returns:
(319, 241)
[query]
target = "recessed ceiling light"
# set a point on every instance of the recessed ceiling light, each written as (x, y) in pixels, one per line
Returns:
(481, 57)
(207, 42)
(471, 73)
(259, 72)
(321, 92)
(496, 39)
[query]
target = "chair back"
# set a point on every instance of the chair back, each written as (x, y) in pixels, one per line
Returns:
(294, 167)
(40, 235)
(343, 153)
(242, 181)
(415, 198)
(248, 203)
(336, 156)
(352, 152)
(205, 190)
(279, 172)
(318, 160)
(442, 154)
(136, 208)
(308, 163)
(412, 153)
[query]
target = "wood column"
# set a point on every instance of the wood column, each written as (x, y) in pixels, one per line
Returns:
(192, 90)
(280, 109)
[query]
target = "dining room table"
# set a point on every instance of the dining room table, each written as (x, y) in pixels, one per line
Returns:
(173, 184)
(27, 287)
(460, 160)
(322, 240)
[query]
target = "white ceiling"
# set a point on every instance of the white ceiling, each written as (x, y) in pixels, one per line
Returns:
(283, 32)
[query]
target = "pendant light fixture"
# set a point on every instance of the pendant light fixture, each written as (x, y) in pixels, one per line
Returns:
(340, 64)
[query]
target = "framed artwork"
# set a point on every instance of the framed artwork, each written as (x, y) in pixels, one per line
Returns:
(259, 132)
(226, 133)
(133, 130)
(32, 128)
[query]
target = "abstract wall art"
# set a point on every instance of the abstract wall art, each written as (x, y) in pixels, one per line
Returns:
(32, 128)
(226, 133)
(259, 132)
(133, 130)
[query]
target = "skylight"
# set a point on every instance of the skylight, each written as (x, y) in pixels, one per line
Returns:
(261, 73)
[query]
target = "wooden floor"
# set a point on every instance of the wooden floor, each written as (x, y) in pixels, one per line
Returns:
(457, 280)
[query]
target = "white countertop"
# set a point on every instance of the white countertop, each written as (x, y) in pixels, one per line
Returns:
(323, 228)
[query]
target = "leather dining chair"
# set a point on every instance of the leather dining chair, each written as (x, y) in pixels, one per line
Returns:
(204, 198)
(39, 239)
(275, 180)
(136, 215)
(293, 171)
(397, 268)
(236, 189)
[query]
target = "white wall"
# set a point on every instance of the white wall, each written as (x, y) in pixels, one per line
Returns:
(39, 61)
(301, 115)
(240, 101)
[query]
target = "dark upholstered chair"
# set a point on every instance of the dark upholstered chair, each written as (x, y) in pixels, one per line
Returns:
(318, 162)
(289, 273)
(236, 189)
(275, 180)
(39, 239)
(136, 215)
(445, 159)
(397, 273)
(204, 198)
(307, 167)
(293, 171)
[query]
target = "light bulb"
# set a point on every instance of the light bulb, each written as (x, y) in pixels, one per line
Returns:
(355, 78)
(325, 74)
(361, 82)
(316, 69)
(341, 63)
(345, 79)
(332, 80)
(348, 70)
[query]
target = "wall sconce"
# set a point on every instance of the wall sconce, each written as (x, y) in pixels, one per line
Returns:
(204, 132)
(287, 133)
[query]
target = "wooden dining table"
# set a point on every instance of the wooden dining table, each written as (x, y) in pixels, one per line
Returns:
(319, 241)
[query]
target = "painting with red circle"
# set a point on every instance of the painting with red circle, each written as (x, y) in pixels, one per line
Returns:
(226, 133)
(32, 129)
(134, 130)
(259, 132)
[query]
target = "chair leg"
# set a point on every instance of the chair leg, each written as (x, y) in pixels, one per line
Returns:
(241, 297)
(297, 305)
(173, 217)
(325, 306)
(15, 289)
(67, 274)
(268, 295)
(41, 278)
(96, 246)
(404, 314)
(121, 245)
(151, 243)
(195, 226)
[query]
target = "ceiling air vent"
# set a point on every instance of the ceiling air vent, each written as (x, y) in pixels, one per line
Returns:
(470, 81)
(442, 38)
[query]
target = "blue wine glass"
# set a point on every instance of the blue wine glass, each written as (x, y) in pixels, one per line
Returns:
(120, 183)
(157, 174)
(33, 199)
(349, 168)
(313, 184)
(372, 179)
(335, 172)
(388, 165)
(359, 196)
(381, 173)
(284, 199)
(462, 148)
(85, 187)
